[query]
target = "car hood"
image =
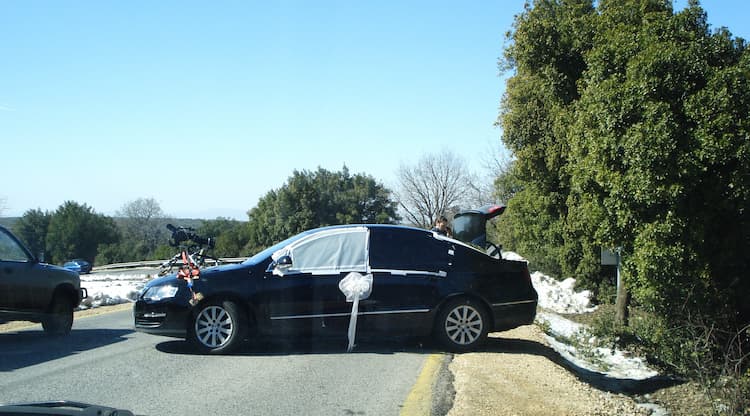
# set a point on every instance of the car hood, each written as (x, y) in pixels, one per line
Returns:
(73, 275)
(206, 273)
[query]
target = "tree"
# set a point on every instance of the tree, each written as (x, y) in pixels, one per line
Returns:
(32, 228)
(546, 52)
(142, 223)
(629, 126)
(314, 199)
(76, 231)
(435, 186)
(230, 236)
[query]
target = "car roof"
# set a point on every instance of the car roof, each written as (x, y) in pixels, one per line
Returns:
(396, 227)
(391, 226)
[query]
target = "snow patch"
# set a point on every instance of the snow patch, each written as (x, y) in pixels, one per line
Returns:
(112, 289)
(555, 295)
(612, 362)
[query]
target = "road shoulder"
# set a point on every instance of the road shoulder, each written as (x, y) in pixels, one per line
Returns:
(18, 325)
(514, 375)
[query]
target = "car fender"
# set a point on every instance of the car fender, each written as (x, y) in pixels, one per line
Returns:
(65, 289)
(250, 309)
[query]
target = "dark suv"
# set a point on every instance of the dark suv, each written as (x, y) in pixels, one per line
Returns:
(34, 291)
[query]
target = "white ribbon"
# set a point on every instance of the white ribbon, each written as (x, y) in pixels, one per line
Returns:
(355, 287)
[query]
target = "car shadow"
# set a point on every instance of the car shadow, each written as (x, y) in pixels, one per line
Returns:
(597, 380)
(26, 348)
(313, 346)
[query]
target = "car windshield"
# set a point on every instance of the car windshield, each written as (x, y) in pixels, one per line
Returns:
(265, 254)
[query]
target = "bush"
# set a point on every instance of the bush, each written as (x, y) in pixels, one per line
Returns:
(693, 348)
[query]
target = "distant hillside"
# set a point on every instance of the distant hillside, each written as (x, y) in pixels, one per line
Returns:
(8, 222)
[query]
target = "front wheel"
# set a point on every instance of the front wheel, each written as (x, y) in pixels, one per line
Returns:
(59, 321)
(462, 325)
(218, 328)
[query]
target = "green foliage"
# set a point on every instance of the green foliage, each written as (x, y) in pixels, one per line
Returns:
(314, 199)
(76, 231)
(629, 124)
(230, 236)
(31, 228)
(693, 347)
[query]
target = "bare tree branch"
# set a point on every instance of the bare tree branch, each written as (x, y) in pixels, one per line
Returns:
(433, 187)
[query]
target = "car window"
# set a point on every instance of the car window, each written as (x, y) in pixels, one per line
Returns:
(331, 251)
(10, 250)
(413, 250)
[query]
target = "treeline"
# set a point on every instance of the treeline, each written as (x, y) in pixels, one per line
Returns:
(138, 231)
(629, 124)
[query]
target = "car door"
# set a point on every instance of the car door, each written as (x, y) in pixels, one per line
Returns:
(306, 296)
(408, 266)
(20, 278)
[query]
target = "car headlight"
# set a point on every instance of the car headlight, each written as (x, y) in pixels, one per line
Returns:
(160, 292)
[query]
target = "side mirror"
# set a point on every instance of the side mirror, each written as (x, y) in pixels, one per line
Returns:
(282, 265)
(40, 257)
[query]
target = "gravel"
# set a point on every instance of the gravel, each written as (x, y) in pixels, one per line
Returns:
(516, 374)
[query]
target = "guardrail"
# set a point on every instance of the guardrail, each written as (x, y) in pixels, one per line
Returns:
(157, 263)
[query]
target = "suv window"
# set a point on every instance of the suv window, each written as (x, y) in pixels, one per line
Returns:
(10, 250)
(400, 249)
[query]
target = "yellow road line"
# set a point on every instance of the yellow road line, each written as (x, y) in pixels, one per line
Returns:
(419, 400)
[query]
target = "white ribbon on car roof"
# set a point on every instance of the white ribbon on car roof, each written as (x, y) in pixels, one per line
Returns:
(355, 286)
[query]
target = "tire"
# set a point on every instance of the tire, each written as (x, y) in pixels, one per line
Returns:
(462, 325)
(60, 316)
(218, 328)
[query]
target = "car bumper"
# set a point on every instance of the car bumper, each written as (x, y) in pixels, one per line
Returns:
(168, 318)
(509, 315)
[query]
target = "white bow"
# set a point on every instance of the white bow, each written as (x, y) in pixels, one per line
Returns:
(355, 287)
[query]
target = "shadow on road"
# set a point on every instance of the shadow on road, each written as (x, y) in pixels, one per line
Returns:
(26, 348)
(301, 346)
(595, 379)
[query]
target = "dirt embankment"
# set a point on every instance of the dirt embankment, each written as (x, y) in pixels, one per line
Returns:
(518, 374)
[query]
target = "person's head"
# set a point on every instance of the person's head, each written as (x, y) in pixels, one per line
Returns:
(441, 223)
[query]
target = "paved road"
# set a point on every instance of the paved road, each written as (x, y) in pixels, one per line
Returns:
(104, 361)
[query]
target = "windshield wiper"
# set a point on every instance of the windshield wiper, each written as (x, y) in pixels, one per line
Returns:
(61, 407)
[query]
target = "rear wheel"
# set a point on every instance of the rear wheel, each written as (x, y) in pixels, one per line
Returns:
(219, 327)
(462, 325)
(60, 317)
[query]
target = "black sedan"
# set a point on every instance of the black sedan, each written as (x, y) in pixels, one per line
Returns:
(422, 283)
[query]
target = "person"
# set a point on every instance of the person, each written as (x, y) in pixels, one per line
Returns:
(441, 226)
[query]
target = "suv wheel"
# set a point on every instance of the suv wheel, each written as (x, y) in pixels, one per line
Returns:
(60, 318)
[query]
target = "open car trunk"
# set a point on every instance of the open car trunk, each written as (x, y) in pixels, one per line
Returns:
(470, 226)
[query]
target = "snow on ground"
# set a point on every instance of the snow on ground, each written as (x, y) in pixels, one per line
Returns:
(561, 297)
(611, 362)
(555, 295)
(113, 288)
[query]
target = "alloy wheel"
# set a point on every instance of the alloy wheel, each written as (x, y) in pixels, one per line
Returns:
(214, 326)
(464, 325)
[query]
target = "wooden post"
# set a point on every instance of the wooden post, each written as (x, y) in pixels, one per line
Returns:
(613, 258)
(623, 296)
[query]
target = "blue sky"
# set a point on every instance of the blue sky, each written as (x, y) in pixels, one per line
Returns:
(206, 106)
